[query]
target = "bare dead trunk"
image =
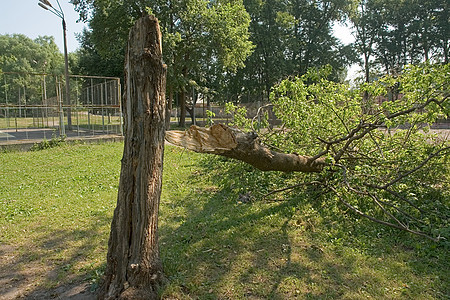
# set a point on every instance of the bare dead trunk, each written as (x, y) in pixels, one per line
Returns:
(229, 142)
(134, 270)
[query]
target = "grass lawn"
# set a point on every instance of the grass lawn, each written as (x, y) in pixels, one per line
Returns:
(57, 205)
(79, 118)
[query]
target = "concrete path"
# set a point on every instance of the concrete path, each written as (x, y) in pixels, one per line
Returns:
(24, 139)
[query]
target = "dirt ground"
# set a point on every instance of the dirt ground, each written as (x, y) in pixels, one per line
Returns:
(26, 280)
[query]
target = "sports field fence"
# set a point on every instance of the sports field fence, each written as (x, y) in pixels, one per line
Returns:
(35, 106)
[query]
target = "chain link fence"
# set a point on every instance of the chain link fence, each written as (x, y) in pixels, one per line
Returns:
(35, 106)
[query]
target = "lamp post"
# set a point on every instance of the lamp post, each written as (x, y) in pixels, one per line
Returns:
(45, 4)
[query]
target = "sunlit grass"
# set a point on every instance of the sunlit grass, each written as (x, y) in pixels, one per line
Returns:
(57, 205)
(37, 120)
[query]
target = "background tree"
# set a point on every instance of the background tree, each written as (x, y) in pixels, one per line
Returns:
(198, 36)
(290, 37)
(364, 30)
(395, 33)
(91, 62)
(22, 54)
(27, 55)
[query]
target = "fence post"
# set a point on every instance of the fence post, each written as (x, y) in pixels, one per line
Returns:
(62, 128)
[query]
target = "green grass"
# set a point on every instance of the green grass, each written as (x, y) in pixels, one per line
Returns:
(57, 204)
(79, 118)
(56, 207)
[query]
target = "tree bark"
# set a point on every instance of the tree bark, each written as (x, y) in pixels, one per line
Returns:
(134, 270)
(182, 122)
(230, 142)
(169, 108)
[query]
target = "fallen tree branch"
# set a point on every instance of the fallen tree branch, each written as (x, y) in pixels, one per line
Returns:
(357, 211)
(290, 188)
(406, 174)
(417, 108)
(225, 141)
(399, 224)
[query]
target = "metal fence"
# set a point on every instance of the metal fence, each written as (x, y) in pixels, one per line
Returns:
(35, 106)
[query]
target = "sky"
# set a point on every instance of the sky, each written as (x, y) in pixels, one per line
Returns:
(26, 17)
(343, 33)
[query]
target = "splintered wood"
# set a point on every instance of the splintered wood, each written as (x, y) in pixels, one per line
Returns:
(230, 142)
(206, 140)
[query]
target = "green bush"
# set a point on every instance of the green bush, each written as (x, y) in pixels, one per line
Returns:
(47, 144)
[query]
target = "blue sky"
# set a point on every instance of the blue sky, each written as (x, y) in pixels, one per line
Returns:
(26, 17)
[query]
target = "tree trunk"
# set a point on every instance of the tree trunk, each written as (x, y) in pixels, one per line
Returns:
(134, 270)
(191, 110)
(169, 108)
(366, 67)
(182, 122)
(229, 142)
(445, 48)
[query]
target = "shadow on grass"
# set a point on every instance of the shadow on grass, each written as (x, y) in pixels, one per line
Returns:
(56, 264)
(224, 249)
(213, 246)
(237, 253)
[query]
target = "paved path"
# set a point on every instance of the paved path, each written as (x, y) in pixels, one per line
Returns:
(24, 139)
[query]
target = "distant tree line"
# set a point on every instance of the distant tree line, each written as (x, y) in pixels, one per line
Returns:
(391, 34)
(22, 55)
(19, 53)
(237, 50)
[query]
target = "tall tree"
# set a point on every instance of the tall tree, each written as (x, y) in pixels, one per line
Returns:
(198, 36)
(19, 53)
(313, 44)
(364, 29)
(91, 62)
(397, 33)
(290, 37)
(39, 55)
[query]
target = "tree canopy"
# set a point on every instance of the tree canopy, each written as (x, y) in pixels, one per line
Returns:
(391, 34)
(371, 154)
(200, 38)
(237, 50)
(22, 54)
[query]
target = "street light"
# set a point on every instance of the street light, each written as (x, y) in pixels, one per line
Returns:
(45, 4)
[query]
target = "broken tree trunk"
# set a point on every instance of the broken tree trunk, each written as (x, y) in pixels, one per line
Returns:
(230, 142)
(134, 270)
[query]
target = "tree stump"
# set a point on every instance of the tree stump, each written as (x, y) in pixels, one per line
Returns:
(134, 269)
